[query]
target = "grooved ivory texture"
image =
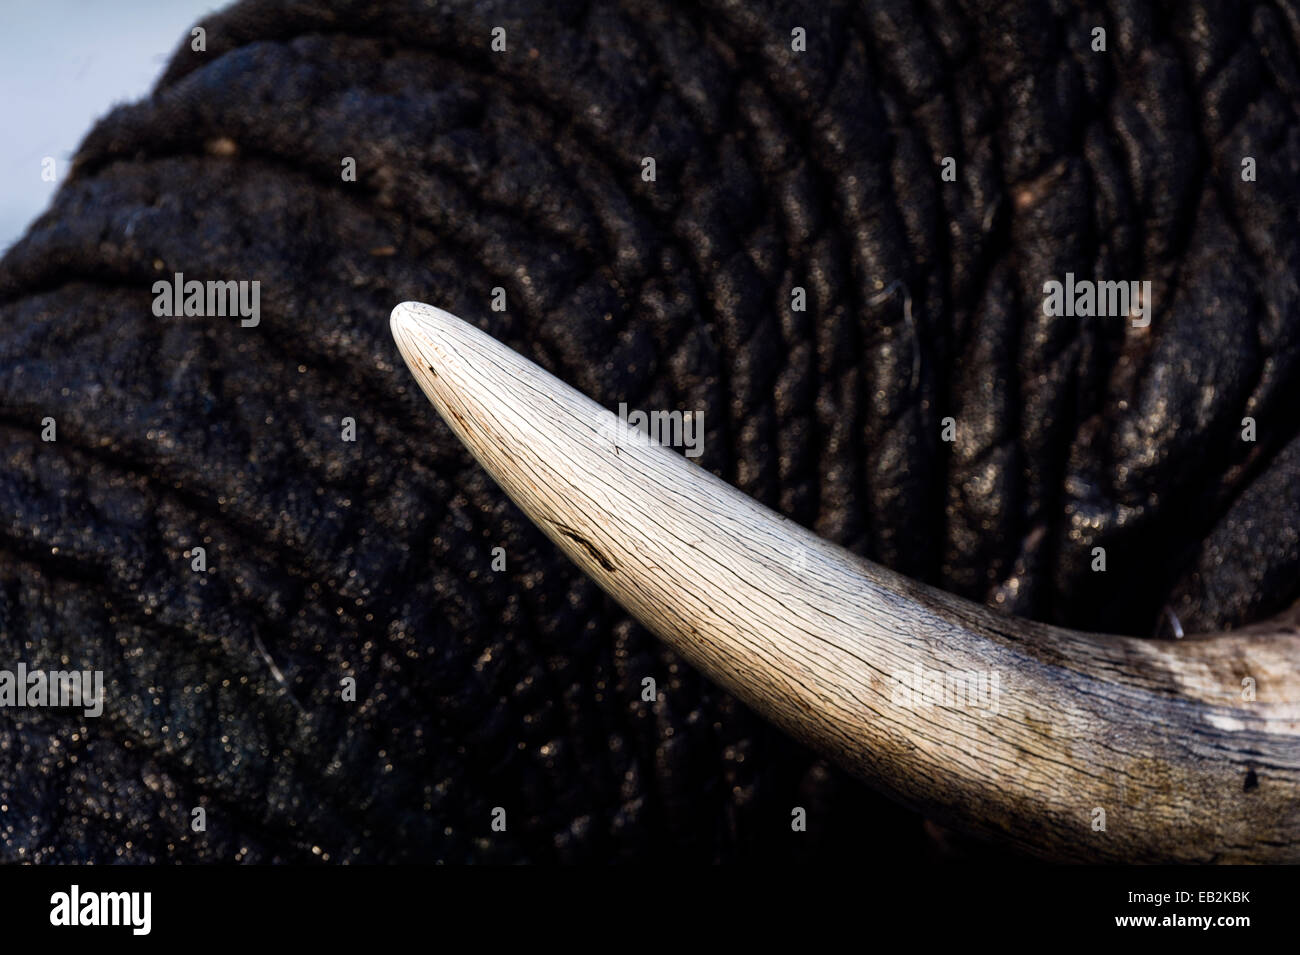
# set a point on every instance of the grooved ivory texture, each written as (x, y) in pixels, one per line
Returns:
(1155, 734)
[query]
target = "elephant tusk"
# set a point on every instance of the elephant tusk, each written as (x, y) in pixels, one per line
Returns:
(1065, 745)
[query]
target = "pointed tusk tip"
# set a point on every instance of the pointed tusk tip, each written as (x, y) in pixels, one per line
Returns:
(417, 315)
(423, 332)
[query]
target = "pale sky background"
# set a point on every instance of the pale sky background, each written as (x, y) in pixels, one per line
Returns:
(64, 64)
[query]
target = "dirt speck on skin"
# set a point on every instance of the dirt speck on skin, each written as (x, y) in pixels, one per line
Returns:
(221, 146)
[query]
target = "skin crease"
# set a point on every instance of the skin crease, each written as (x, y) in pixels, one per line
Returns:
(520, 688)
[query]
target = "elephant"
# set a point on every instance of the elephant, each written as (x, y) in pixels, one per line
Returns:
(375, 657)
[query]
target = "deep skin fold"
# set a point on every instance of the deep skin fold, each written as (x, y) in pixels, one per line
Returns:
(477, 172)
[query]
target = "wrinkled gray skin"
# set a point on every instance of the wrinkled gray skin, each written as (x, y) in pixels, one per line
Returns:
(521, 688)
